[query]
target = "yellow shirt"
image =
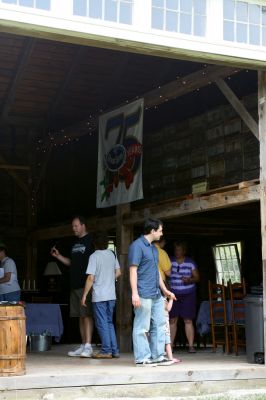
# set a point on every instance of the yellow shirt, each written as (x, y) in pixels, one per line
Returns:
(164, 261)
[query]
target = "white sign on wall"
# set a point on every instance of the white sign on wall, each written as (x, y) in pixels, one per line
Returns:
(120, 156)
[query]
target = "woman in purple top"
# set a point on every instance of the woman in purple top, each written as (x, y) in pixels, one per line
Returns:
(184, 276)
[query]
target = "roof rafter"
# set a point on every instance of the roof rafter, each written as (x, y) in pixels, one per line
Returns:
(238, 106)
(21, 65)
(170, 91)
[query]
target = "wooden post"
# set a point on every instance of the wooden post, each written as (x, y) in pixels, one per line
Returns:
(262, 137)
(124, 235)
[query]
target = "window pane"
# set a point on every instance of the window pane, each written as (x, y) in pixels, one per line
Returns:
(254, 14)
(185, 23)
(241, 33)
(172, 4)
(158, 3)
(10, 1)
(264, 16)
(157, 18)
(80, 7)
(199, 25)
(125, 13)
(254, 35)
(110, 13)
(241, 11)
(263, 36)
(171, 21)
(229, 31)
(43, 4)
(186, 6)
(95, 9)
(26, 3)
(229, 9)
(200, 7)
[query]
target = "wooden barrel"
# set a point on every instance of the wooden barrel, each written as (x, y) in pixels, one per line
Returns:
(12, 340)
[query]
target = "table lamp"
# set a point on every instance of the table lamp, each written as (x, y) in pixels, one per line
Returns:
(52, 271)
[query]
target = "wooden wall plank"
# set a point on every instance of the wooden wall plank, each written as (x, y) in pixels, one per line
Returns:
(214, 201)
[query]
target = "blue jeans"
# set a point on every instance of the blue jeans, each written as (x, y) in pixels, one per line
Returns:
(103, 316)
(12, 296)
(150, 317)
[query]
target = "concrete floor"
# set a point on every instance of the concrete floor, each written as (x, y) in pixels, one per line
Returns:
(203, 372)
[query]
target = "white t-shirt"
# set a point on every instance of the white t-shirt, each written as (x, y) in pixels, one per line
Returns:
(12, 286)
(102, 264)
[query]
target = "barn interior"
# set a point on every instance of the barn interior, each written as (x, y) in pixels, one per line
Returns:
(51, 96)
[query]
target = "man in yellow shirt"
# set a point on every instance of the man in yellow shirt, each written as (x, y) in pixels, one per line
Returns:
(164, 263)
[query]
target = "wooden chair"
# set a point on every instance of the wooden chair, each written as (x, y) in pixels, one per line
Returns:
(237, 292)
(218, 316)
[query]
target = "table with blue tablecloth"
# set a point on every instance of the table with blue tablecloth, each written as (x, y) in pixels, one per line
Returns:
(44, 317)
(203, 321)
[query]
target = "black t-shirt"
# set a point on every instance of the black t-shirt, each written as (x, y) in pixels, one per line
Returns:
(80, 254)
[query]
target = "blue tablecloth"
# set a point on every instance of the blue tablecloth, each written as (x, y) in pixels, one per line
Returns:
(44, 317)
(203, 321)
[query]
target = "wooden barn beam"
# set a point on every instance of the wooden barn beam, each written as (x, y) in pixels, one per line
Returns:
(124, 236)
(186, 84)
(214, 201)
(14, 167)
(22, 63)
(262, 132)
(65, 230)
(16, 177)
(162, 94)
(22, 121)
(238, 106)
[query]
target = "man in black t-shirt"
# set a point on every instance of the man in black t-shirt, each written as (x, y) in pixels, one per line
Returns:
(80, 253)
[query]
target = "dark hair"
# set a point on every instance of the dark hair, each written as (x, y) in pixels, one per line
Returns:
(81, 219)
(183, 245)
(150, 224)
(100, 240)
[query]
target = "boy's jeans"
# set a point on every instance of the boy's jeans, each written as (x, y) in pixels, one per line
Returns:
(150, 317)
(103, 315)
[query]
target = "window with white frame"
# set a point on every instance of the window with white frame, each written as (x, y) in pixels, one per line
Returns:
(108, 10)
(39, 4)
(182, 16)
(227, 261)
(244, 22)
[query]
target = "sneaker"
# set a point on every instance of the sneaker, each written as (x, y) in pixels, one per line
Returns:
(76, 352)
(116, 355)
(87, 352)
(146, 363)
(164, 362)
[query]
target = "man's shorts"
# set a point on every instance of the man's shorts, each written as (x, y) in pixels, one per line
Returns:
(76, 309)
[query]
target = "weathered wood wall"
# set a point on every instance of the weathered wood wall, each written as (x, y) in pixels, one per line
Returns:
(215, 147)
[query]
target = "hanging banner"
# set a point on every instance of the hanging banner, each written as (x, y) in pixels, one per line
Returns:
(120, 156)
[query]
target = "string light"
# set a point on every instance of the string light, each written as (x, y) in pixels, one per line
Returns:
(57, 139)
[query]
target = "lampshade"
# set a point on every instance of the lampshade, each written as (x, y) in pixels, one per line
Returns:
(52, 269)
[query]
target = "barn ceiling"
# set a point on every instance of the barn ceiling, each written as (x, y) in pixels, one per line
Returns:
(54, 84)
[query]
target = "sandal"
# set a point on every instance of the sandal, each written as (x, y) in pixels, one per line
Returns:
(191, 349)
(176, 360)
